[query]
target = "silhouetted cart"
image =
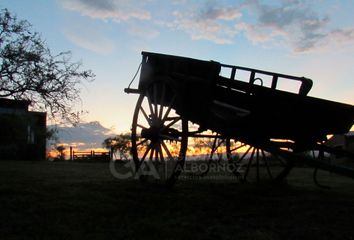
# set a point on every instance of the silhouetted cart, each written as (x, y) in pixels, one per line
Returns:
(242, 111)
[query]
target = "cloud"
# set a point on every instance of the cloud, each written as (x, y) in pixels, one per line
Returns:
(84, 135)
(294, 22)
(256, 34)
(342, 35)
(207, 23)
(117, 10)
(91, 39)
(225, 13)
(143, 31)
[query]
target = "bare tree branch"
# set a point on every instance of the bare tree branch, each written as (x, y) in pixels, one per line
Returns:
(29, 71)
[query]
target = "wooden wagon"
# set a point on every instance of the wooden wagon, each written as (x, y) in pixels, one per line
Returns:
(242, 110)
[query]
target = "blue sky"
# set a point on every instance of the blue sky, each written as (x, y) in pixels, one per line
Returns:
(304, 38)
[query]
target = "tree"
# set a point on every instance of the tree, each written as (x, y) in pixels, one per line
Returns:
(120, 144)
(61, 151)
(29, 71)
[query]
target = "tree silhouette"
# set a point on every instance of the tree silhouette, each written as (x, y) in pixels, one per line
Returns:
(61, 149)
(120, 144)
(29, 71)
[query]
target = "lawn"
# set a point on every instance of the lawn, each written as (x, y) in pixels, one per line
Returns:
(68, 200)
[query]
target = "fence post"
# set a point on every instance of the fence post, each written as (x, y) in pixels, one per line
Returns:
(71, 153)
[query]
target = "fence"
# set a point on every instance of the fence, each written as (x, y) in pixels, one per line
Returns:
(90, 155)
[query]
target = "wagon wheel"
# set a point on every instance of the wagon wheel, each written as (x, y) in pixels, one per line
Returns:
(256, 164)
(159, 135)
(337, 158)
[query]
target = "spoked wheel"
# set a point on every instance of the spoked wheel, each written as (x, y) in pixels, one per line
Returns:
(255, 164)
(331, 160)
(159, 135)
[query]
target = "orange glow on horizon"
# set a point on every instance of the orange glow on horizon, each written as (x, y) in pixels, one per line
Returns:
(53, 153)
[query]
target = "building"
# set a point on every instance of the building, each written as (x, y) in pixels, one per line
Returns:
(22, 132)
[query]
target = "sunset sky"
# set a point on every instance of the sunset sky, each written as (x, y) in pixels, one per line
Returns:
(314, 39)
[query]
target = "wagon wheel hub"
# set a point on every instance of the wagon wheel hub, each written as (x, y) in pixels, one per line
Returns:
(152, 133)
(161, 132)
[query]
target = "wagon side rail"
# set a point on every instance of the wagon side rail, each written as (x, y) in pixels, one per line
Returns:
(305, 87)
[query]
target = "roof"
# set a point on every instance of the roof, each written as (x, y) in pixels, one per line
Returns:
(6, 103)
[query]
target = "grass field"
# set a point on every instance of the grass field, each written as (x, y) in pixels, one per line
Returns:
(66, 200)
